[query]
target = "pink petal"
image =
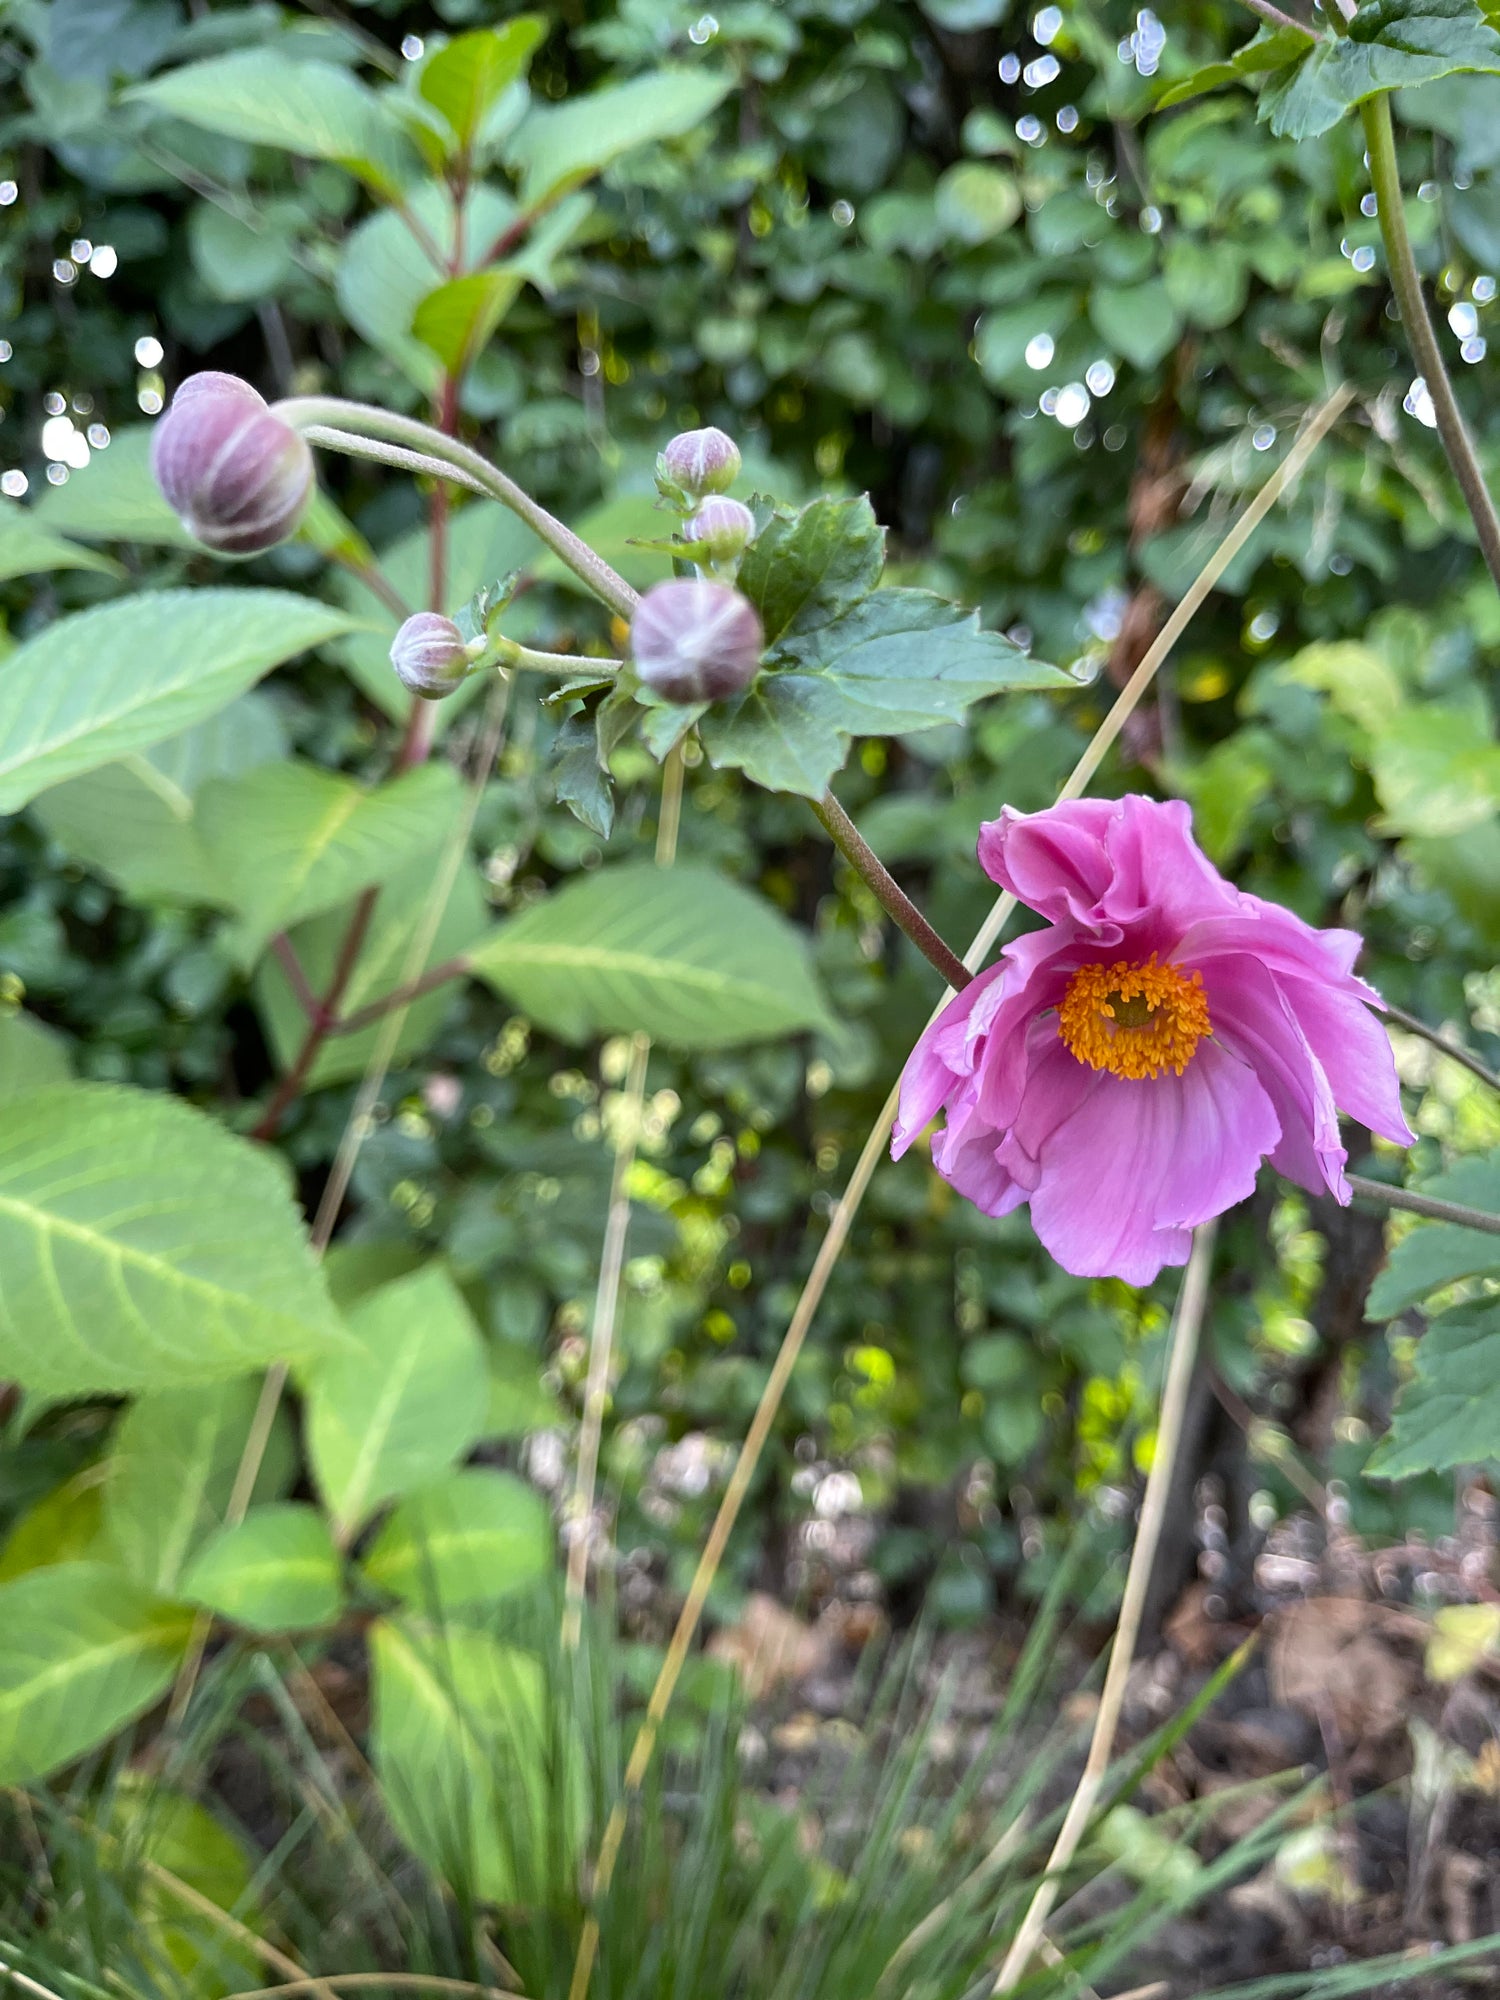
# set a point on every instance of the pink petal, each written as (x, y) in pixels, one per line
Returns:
(1252, 1019)
(943, 1056)
(1355, 1051)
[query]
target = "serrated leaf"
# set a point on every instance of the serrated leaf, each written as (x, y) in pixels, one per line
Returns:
(583, 782)
(275, 1571)
(29, 548)
(1271, 49)
(803, 571)
(901, 660)
(469, 1539)
(466, 76)
(402, 1403)
(1450, 1414)
(682, 954)
(288, 841)
(142, 1246)
(1388, 45)
(1434, 1254)
(83, 1650)
(557, 146)
(313, 109)
(458, 319)
(173, 1462)
(102, 683)
(114, 498)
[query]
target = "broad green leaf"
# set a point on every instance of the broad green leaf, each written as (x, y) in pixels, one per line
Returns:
(133, 821)
(519, 1400)
(314, 109)
(102, 683)
(682, 954)
(402, 1403)
(114, 498)
(1138, 321)
(1271, 49)
(83, 1650)
(1207, 282)
(28, 547)
(290, 840)
(142, 1246)
(1450, 1415)
(469, 1539)
(560, 145)
(238, 261)
(975, 202)
(465, 77)
(457, 320)
(172, 1467)
(1435, 771)
(1360, 682)
(402, 912)
(275, 1571)
(1388, 45)
(1434, 1254)
(803, 571)
(1465, 867)
(32, 1057)
(63, 1526)
(475, 1774)
(901, 660)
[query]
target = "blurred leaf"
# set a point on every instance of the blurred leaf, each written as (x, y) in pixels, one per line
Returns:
(560, 145)
(975, 202)
(28, 548)
(237, 260)
(1139, 322)
(275, 1571)
(464, 77)
(1207, 283)
(469, 1539)
(458, 319)
(64, 1526)
(682, 954)
(1463, 1637)
(1436, 771)
(175, 1834)
(32, 1057)
(114, 498)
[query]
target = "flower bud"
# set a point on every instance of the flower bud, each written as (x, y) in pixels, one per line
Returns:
(723, 527)
(430, 655)
(236, 476)
(706, 461)
(693, 640)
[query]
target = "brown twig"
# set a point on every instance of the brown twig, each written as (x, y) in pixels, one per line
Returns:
(285, 953)
(1426, 1204)
(891, 897)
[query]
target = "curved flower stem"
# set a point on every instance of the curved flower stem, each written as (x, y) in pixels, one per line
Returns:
(367, 422)
(331, 438)
(1385, 178)
(1182, 1349)
(1274, 18)
(892, 898)
(512, 653)
(1439, 1040)
(1425, 1204)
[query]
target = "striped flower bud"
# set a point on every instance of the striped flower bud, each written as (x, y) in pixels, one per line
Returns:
(430, 655)
(693, 640)
(233, 472)
(722, 527)
(706, 461)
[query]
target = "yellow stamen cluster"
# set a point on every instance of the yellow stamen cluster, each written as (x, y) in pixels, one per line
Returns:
(1134, 1020)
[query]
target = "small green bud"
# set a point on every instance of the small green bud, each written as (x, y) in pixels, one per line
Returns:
(693, 640)
(430, 655)
(706, 461)
(721, 527)
(233, 472)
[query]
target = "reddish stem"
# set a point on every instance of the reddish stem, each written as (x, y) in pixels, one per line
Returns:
(437, 975)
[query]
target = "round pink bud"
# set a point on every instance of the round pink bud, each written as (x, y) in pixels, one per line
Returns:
(233, 472)
(706, 461)
(722, 526)
(693, 640)
(429, 655)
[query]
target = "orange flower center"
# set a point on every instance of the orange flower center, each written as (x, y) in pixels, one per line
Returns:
(1134, 1020)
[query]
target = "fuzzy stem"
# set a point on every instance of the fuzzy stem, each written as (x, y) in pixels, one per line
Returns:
(1181, 1352)
(892, 898)
(1385, 178)
(1274, 18)
(512, 653)
(309, 413)
(1425, 1204)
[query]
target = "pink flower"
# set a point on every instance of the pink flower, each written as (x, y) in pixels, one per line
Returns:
(1127, 1069)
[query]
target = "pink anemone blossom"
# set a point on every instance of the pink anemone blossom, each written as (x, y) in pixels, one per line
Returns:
(1127, 1068)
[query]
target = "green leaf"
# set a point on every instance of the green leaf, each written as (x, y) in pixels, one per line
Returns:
(804, 570)
(402, 1403)
(1440, 1253)
(313, 109)
(385, 963)
(1450, 1414)
(275, 1571)
(1436, 772)
(32, 1057)
(1271, 49)
(290, 840)
(1389, 45)
(114, 498)
(466, 76)
(1207, 283)
(238, 261)
(83, 1650)
(458, 319)
(560, 145)
(28, 548)
(142, 1246)
(64, 1526)
(616, 530)
(901, 660)
(470, 1539)
(171, 1471)
(133, 821)
(975, 202)
(1139, 321)
(118, 678)
(145, 1820)
(682, 954)
(474, 1775)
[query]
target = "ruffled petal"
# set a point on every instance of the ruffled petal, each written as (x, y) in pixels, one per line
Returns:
(1279, 939)
(944, 1056)
(1355, 1051)
(1139, 1162)
(1251, 1018)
